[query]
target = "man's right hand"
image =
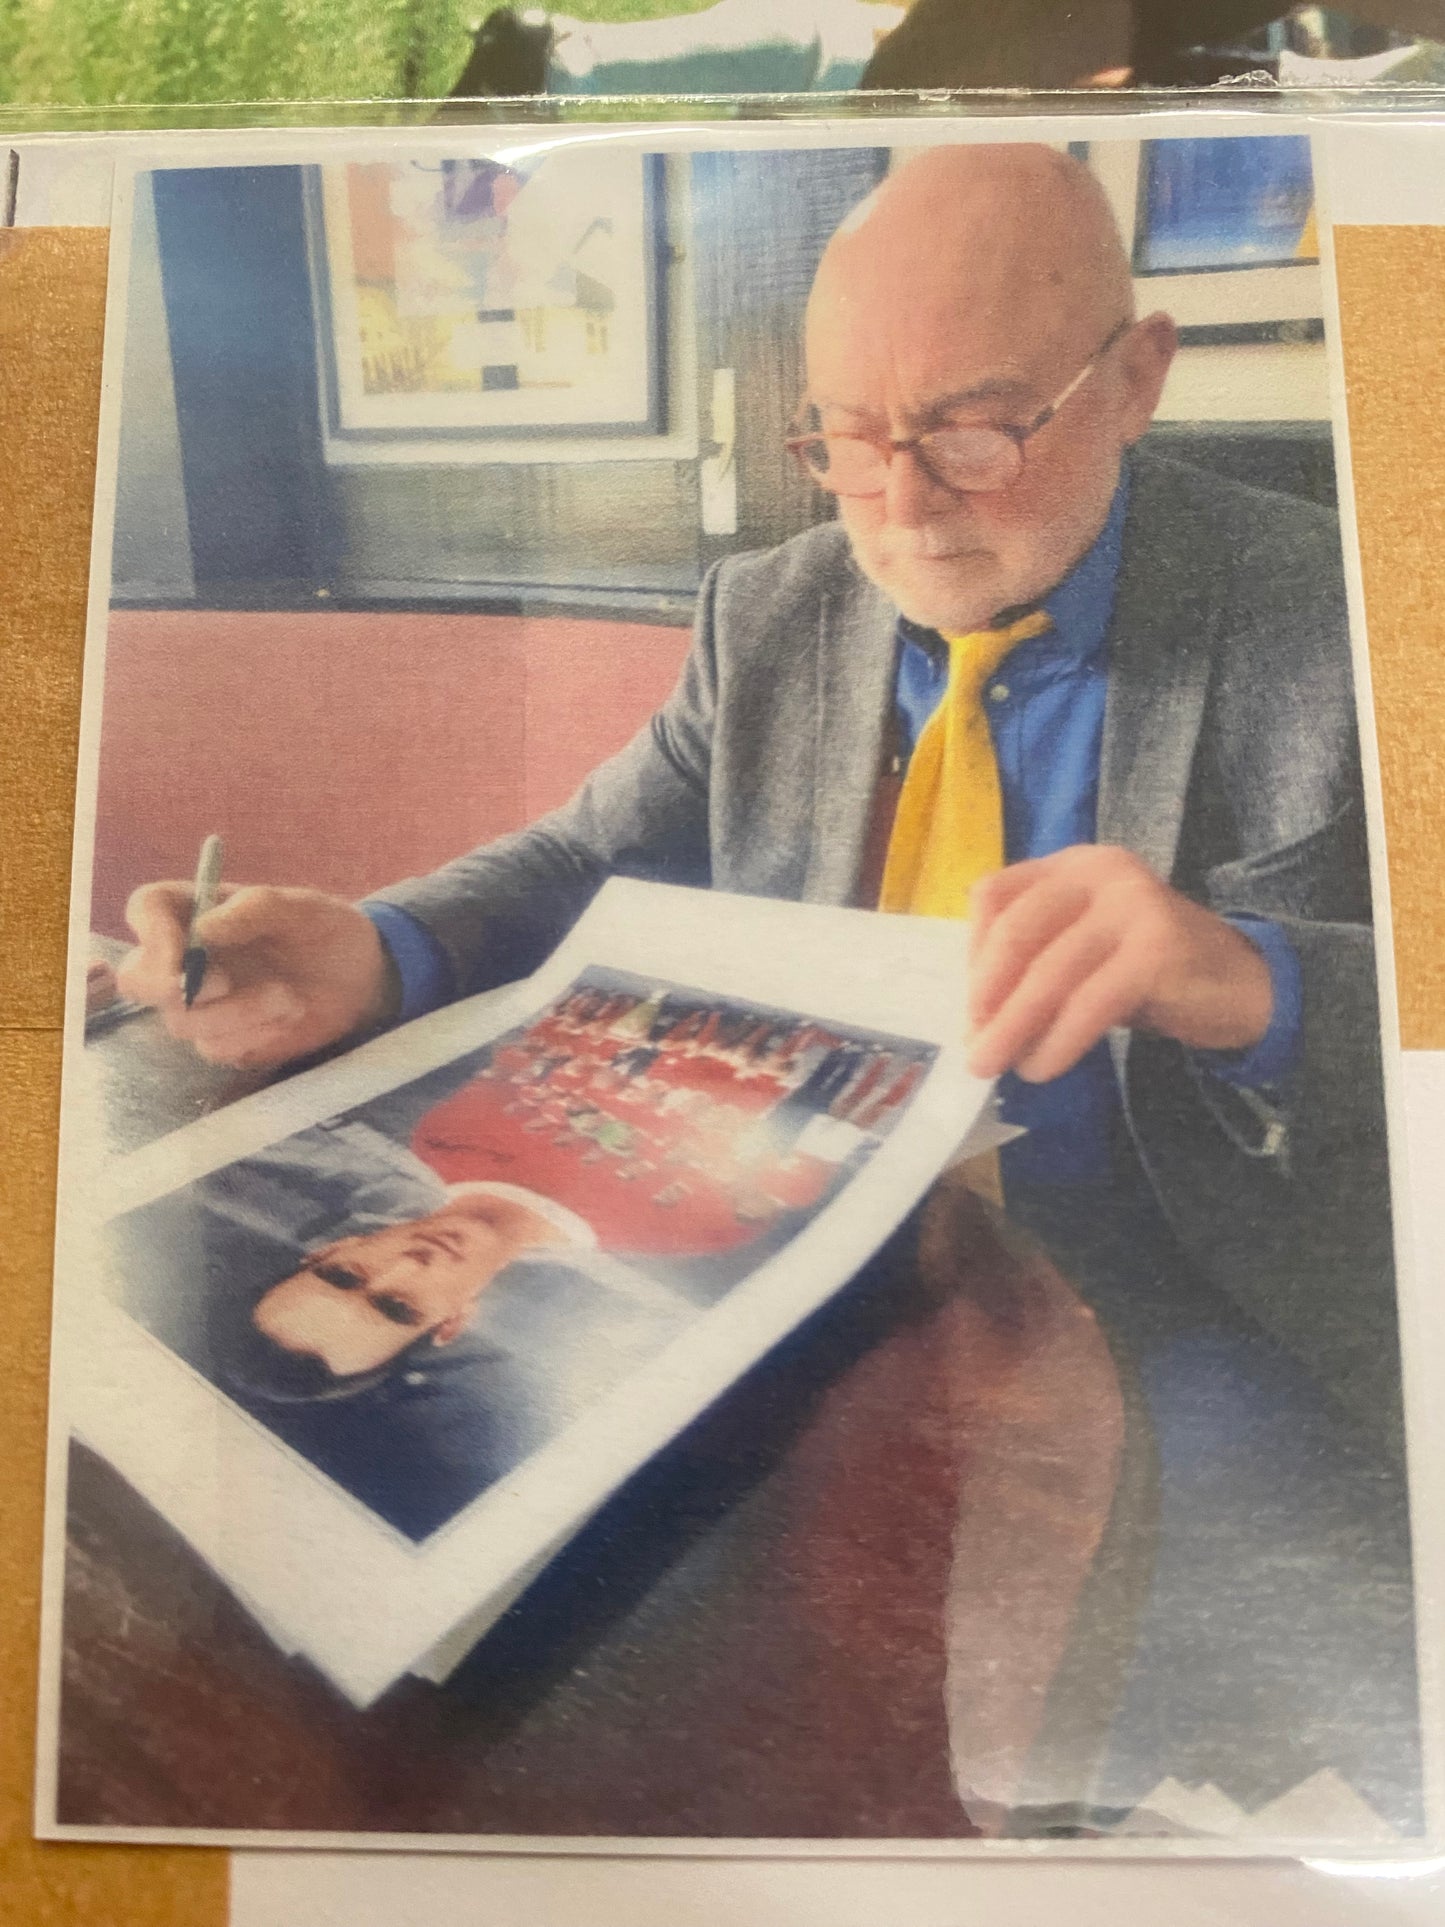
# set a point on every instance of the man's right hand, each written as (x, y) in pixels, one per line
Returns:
(288, 971)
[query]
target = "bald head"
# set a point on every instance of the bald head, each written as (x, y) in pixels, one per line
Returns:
(1014, 231)
(974, 285)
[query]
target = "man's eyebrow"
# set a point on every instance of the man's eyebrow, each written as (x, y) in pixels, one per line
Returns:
(998, 388)
(330, 1272)
(1004, 388)
(395, 1310)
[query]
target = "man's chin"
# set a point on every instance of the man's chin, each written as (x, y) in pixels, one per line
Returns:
(934, 595)
(949, 617)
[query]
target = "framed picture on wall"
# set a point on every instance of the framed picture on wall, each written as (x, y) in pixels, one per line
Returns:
(490, 297)
(1215, 205)
(1223, 233)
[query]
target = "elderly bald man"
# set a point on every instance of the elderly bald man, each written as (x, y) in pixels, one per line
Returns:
(1173, 969)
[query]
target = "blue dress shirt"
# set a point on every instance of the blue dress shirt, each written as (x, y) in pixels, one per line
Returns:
(423, 968)
(1045, 707)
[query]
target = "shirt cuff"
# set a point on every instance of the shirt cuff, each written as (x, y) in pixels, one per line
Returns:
(423, 969)
(1267, 1063)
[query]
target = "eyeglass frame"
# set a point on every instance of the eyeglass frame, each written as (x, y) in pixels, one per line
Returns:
(1020, 434)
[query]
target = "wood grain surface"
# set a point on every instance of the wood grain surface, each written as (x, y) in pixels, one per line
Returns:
(52, 300)
(1392, 317)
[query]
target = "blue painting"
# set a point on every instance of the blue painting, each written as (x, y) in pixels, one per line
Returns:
(1230, 203)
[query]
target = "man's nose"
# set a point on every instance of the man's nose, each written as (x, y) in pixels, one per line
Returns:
(911, 495)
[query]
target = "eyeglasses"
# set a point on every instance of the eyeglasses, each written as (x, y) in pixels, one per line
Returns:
(973, 458)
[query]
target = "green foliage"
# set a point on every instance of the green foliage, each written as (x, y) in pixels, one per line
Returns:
(96, 53)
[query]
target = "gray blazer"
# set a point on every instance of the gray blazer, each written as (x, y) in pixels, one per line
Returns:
(1230, 765)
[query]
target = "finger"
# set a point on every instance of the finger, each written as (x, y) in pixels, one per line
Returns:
(148, 980)
(992, 894)
(1106, 999)
(100, 985)
(259, 1051)
(252, 913)
(158, 914)
(257, 1004)
(1040, 995)
(215, 985)
(257, 1047)
(132, 979)
(1032, 922)
(228, 1024)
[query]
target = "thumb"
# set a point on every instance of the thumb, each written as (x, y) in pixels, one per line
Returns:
(250, 913)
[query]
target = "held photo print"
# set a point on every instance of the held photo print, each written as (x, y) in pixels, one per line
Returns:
(455, 1315)
(750, 1202)
(418, 1294)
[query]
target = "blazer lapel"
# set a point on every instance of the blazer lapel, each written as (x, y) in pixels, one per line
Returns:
(856, 650)
(1160, 648)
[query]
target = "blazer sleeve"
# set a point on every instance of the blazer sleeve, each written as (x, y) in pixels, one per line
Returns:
(1332, 1093)
(498, 911)
(1282, 750)
(1282, 1196)
(1286, 1206)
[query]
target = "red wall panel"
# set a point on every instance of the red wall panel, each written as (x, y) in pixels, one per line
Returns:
(346, 750)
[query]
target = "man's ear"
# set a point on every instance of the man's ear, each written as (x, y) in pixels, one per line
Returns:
(1146, 355)
(450, 1329)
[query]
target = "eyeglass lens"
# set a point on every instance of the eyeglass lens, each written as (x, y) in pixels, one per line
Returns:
(966, 458)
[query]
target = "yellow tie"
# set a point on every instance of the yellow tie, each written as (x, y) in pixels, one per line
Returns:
(948, 830)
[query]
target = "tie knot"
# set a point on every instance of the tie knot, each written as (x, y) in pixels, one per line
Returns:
(972, 658)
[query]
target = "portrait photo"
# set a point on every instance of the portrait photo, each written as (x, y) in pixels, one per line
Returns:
(418, 1294)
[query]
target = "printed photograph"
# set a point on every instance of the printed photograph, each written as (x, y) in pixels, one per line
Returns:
(937, 527)
(419, 1294)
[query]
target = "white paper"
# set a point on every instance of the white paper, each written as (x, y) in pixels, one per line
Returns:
(327, 1577)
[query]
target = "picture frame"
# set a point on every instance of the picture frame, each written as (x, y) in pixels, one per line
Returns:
(487, 300)
(1225, 286)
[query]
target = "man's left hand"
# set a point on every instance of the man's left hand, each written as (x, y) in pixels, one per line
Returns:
(1066, 947)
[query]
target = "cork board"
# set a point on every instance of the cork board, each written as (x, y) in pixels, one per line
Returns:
(1391, 281)
(51, 310)
(52, 303)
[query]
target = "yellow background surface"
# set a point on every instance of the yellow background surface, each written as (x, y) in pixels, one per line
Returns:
(52, 302)
(52, 287)
(1392, 320)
